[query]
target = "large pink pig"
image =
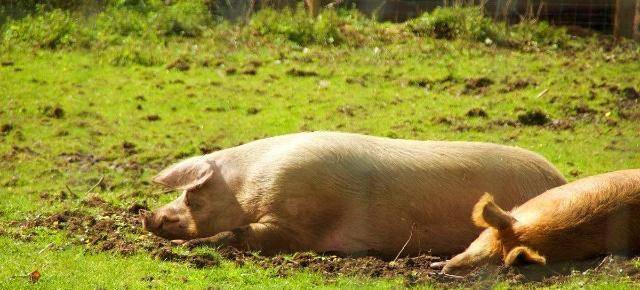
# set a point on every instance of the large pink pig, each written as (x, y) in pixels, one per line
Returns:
(340, 192)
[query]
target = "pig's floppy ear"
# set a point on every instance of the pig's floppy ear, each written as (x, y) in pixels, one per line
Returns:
(522, 256)
(487, 214)
(185, 175)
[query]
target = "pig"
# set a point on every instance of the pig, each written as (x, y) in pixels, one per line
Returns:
(589, 217)
(343, 193)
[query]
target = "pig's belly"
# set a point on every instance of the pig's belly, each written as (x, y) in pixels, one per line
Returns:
(339, 241)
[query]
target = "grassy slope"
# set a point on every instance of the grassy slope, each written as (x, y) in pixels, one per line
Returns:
(206, 107)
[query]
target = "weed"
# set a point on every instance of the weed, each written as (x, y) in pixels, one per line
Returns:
(297, 26)
(455, 22)
(471, 23)
(50, 29)
(133, 51)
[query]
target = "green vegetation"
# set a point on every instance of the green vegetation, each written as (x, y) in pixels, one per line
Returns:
(116, 95)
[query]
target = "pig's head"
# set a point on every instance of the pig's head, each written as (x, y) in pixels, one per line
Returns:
(205, 207)
(497, 244)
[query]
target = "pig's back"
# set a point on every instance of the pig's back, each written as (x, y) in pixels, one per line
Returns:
(582, 201)
(370, 191)
(591, 216)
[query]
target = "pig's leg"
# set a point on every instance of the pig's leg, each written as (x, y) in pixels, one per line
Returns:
(265, 237)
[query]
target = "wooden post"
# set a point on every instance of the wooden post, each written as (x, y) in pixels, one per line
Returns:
(313, 6)
(627, 19)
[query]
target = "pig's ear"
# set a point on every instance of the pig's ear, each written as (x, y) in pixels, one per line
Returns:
(487, 214)
(186, 175)
(523, 256)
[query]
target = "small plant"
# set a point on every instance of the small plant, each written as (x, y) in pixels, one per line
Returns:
(121, 22)
(455, 22)
(297, 26)
(186, 18)
(536, 34)
(52, 29)
(471, 23)
(133, 51)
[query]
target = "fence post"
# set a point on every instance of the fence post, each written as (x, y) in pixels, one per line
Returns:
(627, 19)
(313, 6)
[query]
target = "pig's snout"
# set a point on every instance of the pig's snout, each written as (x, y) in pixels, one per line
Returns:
(163, 225)
(154, 222)
(143, 216)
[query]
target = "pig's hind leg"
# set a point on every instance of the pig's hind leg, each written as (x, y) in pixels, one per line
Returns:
(268, 238)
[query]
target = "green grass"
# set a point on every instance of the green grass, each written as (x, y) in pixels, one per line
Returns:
(109, 78)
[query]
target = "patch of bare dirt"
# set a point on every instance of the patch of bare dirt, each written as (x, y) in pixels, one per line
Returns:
(562, 124)
(180, 64)
(301, 73)
(152, 118)
(118, 230)
(615, 266)
(477, 85)
(629, 104)
(477, 112)
(55, 112)
(197, 260)
(6, 128)
(516, 85)
(535, 117)
(128, 148)
(349, 110)
(250, 71)
(425, 83)
(630, 93)
(253, 111)
(80, 158)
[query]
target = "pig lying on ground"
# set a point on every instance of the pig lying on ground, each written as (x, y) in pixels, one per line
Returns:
(345, 193)
(589, 217)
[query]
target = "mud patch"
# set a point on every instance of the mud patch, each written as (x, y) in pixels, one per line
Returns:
(117, 230)
(197, 260)
(516, 85)
(562, 124)
(84, 159)
(54, 112)
(630, 93)
(6, 128)
(301, 73)
(560, 272)
(253, 111)
(369, 266)
(250, 71)
(535, 117)
(128, 148)
(628, 104)
(152, 118)
(477, 112)
(477, 85)
(349, 110)
(180, 64)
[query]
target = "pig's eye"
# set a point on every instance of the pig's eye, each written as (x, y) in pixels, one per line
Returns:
(189, 202)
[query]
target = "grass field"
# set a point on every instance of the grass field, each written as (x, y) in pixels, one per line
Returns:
(110, 105)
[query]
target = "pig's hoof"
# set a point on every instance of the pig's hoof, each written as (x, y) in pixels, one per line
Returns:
(178, 242)
(190, 244)
(221, 239)
(437, 265)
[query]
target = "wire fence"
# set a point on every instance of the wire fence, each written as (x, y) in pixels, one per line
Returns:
(592, 14)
